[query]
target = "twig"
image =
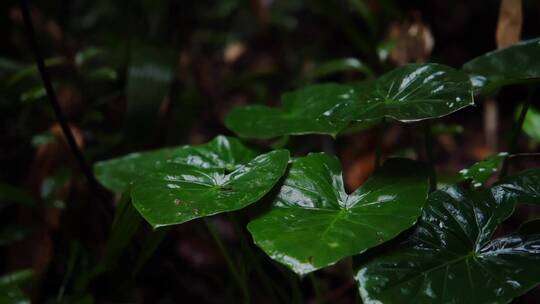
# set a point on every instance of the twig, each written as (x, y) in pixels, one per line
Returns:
(96, 188)
(31, 36)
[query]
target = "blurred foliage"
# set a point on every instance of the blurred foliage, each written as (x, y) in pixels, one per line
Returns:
(147, 74)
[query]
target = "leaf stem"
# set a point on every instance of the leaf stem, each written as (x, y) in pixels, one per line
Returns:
(316, 288)
(430, 158)
(252, 258)
(230, 264)
(512, 145)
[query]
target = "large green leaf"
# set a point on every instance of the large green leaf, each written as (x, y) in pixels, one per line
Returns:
(413, 92)
(226, 152)
(117, 173)
(451, 256)
(315, 223)
(515, 64)
(410, 93)
(308, 110)
(204, 182)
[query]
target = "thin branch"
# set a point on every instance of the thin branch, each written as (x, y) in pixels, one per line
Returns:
(31, 36)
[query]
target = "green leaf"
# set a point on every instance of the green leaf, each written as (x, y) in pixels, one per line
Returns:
(482, 170)
(308, 110)
(413, 92)
(10, 291)
(451, 256)
(531, 124)
(17, 277)
(32, 71)
(314, 223)
(117, 173)
(410, 93)
(515, 64)
(523, 187)
(221, 152)
(149, 78)
(12, 294)
(205, 180)
(334, 66)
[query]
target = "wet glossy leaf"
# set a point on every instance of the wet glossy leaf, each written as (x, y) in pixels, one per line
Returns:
(413, 92)
(222, 152)
(308, 110)
(117, 173)
(523, 187)
(515, 64)
(314, 223)
(482, 170)
(451, 256)
(205, 180)
(409, 93)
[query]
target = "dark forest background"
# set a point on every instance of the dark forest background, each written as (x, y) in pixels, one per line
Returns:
(137, 75)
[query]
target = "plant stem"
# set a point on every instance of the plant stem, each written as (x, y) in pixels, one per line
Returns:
(60, 117)
(230, 264)
(252, 258)
(31, 36)
(316, 289)
(429, 155)
(512, 146)
(151, 242)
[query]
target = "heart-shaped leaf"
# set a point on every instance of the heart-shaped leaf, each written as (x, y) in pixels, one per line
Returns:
(515, 64)
(482, 170)
(308, 110)
(204, 182)
(315, 223)
(222, 152)
(413, 92)
(410, 93)
(117, 173)
(451, 256)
